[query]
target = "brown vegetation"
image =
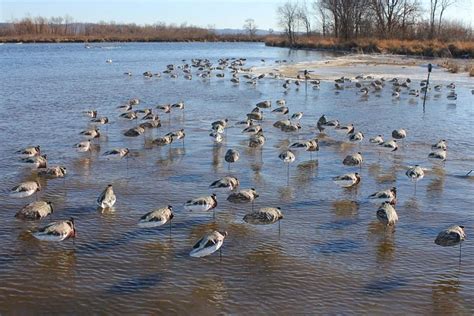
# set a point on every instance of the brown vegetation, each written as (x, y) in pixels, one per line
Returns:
(426, 48)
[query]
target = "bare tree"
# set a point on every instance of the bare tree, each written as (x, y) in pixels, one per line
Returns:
(250, 27)
(445, 4)
(288, 20)
(304, 17)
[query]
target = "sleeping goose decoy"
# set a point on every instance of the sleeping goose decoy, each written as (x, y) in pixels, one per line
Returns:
(451, 236)
(353, 160)
(376, 140)
(257, 140)
(53, 172)
(29, 152)
(252, 130)
(35, 210)
(25, 189)
(264, 104)
(243, 196)
(201, 204)
(107, 198)
(264, 216)
(208, 244)
(156, 218)
(226, 183)
(117, 153)
(91, 133)
(231, 156)
(415, 174)
(399, 133)
(297, 116)
(101, 120)
(57, 231)
(389, 195)
(83, 146)
(134, 132)
(283, 110)
(391, 145)
(387, 215)
(440, 145)
(347, 180)
(347, 129)
(163, 141)
(438, 154)
(38, 162)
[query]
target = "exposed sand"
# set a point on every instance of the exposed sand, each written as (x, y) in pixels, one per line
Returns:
(374, 65)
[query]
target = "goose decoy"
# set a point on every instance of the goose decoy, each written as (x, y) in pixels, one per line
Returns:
(264, 104)
(117, 153)
(90, 113)
(91, 133)
(57, 231)
(53, 172)
(243, 196)
(415, 174)
(231, 156)
(440, 145)
(37, 162)
(387, 215)
(107, 198)
(264, 216)
(219, 123)
(201, 204)
(134, 132)
(227, 183)
(287, 157)
(438, 154)
(283, 110)
(281, 102)
(347, 129)
(376, 140)
(35, 210)
(356, 137)
(179, 134)
(163, 141)
(156, 218)
(297, 116)
(130, 115)
(29, 152)
(353, 160)
(83, 146)
(347, 180)
(452, 236)
(257, 140)
(389, 195)
(25, 189)
(399, 133)
(208, 244)
(101, 120)
(392, 145)
(217, 137)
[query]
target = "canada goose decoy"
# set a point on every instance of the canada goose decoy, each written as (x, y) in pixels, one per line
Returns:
(57, 231)
(35, 210)
(387, 215)
(243, 196)
(264, 216)
(25, 189)
(376, 140)
(91, 133)
(353, 160)
(117, 153)
(231, 156)
(29, 152)
(227, 183)
(438, 154)
(107, 198)
(389, 195)
(441, 144)
(347, 180)
(451, 236)
(156, 218)
(209, 244)
(53, 172)
(392, 145)
(37, 162)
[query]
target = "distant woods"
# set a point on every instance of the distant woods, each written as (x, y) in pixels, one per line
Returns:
(64, 29)
(377, 19)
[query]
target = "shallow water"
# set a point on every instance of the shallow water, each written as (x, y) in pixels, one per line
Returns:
(331, 255)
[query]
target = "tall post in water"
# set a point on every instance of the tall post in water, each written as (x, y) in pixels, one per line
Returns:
(430, 67)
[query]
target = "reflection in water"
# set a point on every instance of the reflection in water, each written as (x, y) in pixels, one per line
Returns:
(446, 296)
(345, 208)
(286, 193)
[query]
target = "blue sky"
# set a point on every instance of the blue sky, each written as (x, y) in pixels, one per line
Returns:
(218, 13)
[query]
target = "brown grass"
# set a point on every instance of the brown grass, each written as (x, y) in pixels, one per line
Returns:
(470, 69)
(436, 48)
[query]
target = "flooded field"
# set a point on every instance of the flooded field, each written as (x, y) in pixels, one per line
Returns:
(330, 254)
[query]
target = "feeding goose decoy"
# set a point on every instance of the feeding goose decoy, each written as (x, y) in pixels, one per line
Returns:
(117, 153)
(227, 183)
(347, 180)
(387, 215)
(29, 152)
(451, 236)
(389, 195)
(107, 198)
(35, 210)
(156, 218)
(57, 231)
(25, 189)
(208, 244)
(53, 172)
(201, 204)
(231, 156)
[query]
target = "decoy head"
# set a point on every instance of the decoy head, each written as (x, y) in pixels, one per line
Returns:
(214, 195)
(393, 189)
(109, 185)
(38, 186)
(359, 153)
(50, 205)
(170, 207)
(224, 233)
(127, 151)
(63, 169)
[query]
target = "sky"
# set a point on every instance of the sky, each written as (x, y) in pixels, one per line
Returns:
(205, 13)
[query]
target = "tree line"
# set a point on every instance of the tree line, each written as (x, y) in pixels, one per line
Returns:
(382, 19)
